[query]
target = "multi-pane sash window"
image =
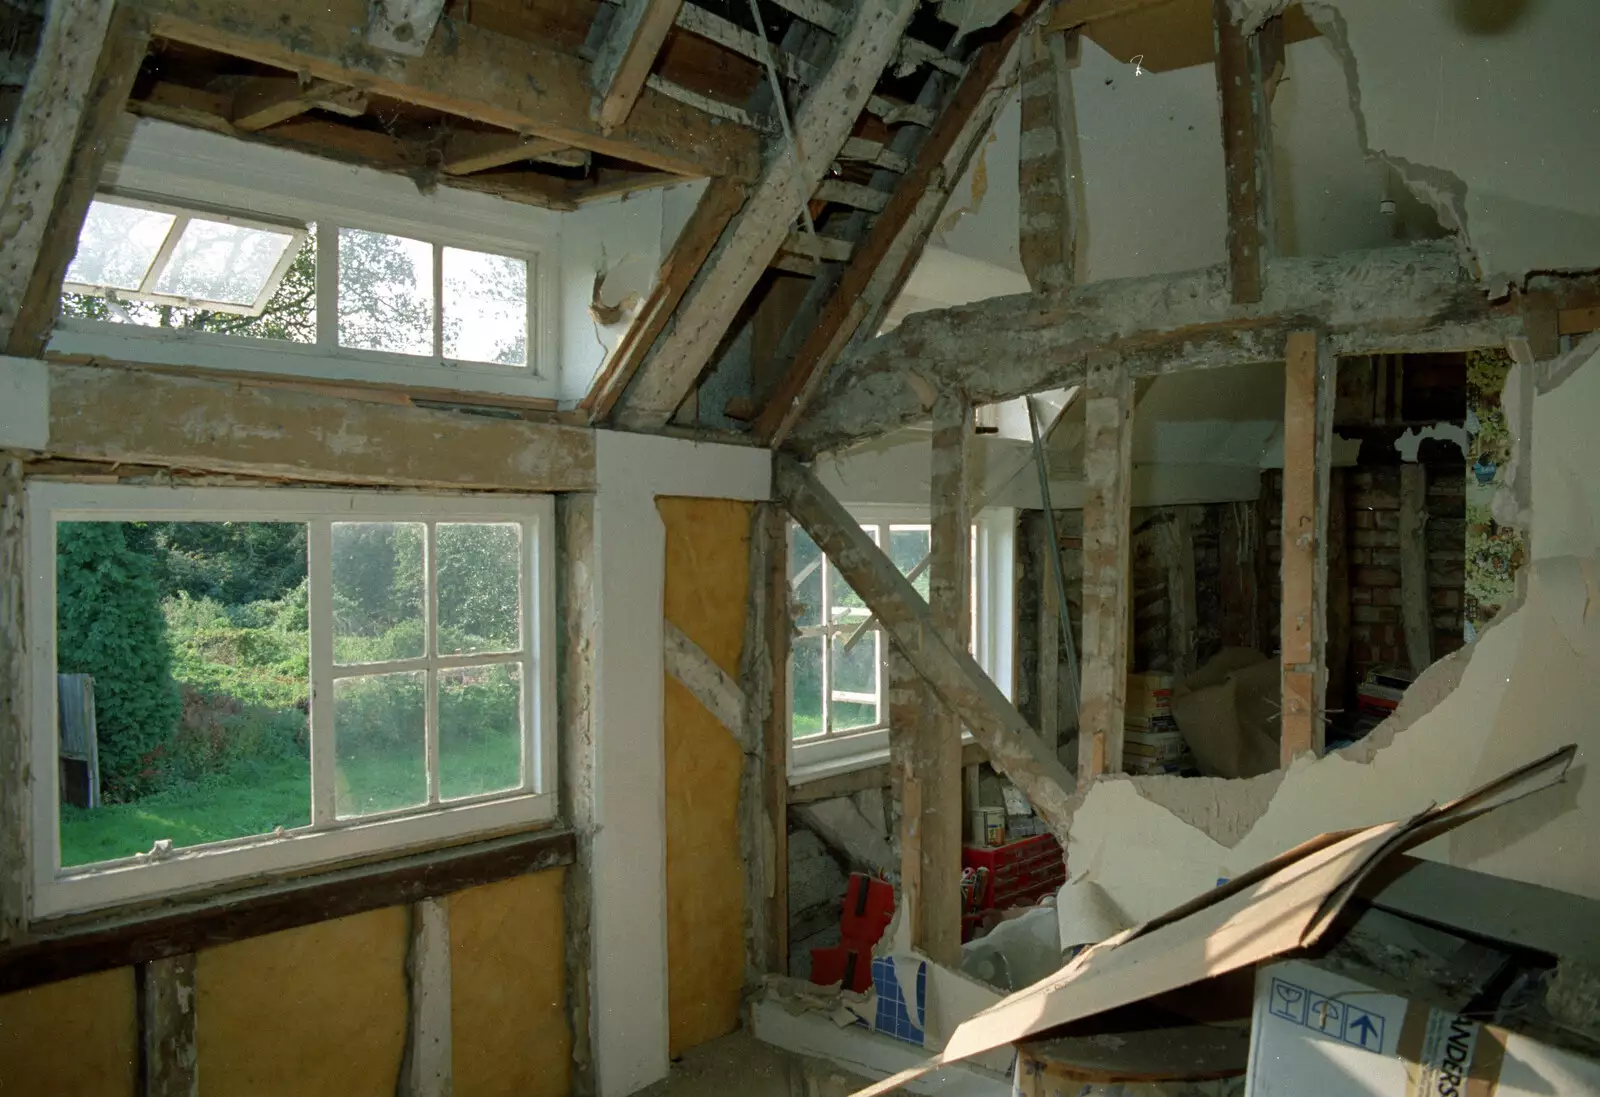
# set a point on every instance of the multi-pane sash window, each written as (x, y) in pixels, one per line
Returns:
(246, 681)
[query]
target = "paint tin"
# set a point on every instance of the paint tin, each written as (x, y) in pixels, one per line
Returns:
(989, 826)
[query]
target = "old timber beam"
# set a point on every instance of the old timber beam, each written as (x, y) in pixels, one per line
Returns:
(1415, 298)
(949, 669)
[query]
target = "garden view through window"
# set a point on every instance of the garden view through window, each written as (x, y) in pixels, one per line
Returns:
(223, 278)
(193, 643)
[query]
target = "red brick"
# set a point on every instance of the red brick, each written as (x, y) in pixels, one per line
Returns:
(1362, 519)
(1388, 596)
(1376, 577)
(1374, 614)
(1376, 538)
(1360, 556)
(1386, 519)
(1386, 558)
(1445, 599)
(1360, 596)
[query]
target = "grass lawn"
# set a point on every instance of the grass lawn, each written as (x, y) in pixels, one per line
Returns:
(258, 797)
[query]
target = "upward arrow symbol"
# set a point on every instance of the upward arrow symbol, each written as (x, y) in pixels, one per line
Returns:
(1365, 1027)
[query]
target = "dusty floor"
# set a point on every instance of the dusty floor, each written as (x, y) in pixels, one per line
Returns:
(738, 1064)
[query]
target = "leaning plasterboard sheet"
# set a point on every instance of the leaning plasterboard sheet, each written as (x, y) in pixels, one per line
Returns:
(1284, 905)
(1319, 1031)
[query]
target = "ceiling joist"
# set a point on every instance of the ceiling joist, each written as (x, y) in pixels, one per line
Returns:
(264, 101)
(466, 152)
(487, 77)
(626, 53)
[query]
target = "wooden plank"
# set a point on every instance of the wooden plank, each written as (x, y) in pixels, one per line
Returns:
(1075, 13)
(853, 195)
(717, 206)
(15, 748)
(264, 101)
(771, 526)
(712, 686)
(1246, 153)
(723, 284)
(38, 247)
(882, 263)
(1414, 603)
(861, 150)
(1048, 165)
(1340, 694)
(1307, 449)
(1049, 634)
(67, 947)
(1107, 541)
(267, 431)
(954, 675)
(477, 74)
(828, 249)
(468, 151)
(936, 751)
(170, 1061)
(426, 1070)
(1182, 615)
(626, 55)
(1237, 580)
(1415, 298)
(1579, 321)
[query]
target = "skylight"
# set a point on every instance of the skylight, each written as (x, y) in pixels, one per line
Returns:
(147, 252)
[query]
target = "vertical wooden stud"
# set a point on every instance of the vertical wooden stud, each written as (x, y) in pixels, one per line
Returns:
(1108, 471)
(1048, 163)
(1246, 151)
(426, 1071)
(1414, 611)
(1307, 454)
(14, 746)
(167, 1027)
(1049, 635)
(1182, 613)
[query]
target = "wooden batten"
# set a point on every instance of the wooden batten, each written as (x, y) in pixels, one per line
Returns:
(14, 746)
(170, 1060)
(1107, 541)
(1414, 596)
(1307, 474)
(950, 671)
(627, 52)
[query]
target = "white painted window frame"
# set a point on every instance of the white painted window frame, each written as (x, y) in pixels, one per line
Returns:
(993, 598)
(327, 839)
(167, 164)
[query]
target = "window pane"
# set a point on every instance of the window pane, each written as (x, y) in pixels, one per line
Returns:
(381, 753)
(908, 547)
(480, 730)
(806, 715)
(385, 292)
(855, 683)
(117, 245)
(485, 307)
(183, 684)
(805, 565)
(379, 591)
(479, 594)
(220, 262)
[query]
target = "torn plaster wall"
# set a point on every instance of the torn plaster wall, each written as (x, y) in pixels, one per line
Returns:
(1487, 109)
(1529, 684)
(981, 217)
(610, 255)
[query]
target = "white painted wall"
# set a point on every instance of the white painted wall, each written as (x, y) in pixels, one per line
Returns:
(1530, 684)
(629, 875)
(1501, 102)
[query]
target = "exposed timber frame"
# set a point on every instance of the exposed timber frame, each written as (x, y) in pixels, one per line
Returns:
(1415, 614)
(936, 749)
(1107, 543)
(1246, 148)
(950, 671)
(169, 1057)
(1048, 163)
(622, 61)
(1415, 298)
(88, 58)
(265, 101)
(478, 74)
(1307, 477)
(792, 172)
(881, 264)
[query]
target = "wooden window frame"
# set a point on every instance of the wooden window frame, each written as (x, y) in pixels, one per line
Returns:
(328, 839)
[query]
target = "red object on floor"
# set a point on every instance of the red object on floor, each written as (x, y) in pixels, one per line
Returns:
(1020, 873)
(868, 910)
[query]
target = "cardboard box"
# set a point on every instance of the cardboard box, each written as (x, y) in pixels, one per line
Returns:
(1316, 1031)
(1148, 695)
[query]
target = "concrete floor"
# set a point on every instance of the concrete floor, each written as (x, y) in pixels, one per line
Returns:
(738, 1064)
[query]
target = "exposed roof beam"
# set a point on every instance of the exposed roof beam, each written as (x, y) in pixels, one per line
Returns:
(1075, 13)
(264, 101)
(477, 74)
(627, 53)
(89, 54)
(883, 262)
(791, 174)
(466, 151)
(1415, 298)
(1246, 148)
(402, 26)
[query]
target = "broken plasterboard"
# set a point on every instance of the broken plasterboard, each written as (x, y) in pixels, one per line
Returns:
(1282, 906)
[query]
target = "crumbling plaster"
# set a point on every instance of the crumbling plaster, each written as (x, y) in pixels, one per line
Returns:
(1487, 110)
(1529, 684)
